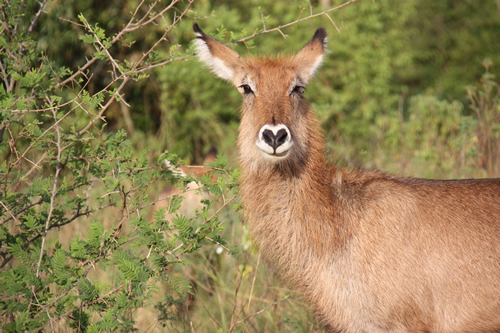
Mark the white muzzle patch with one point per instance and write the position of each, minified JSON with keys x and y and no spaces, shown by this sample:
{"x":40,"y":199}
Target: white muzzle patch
{"x":274,"y":142}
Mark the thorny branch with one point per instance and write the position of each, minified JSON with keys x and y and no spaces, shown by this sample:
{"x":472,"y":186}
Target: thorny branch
{"x":37,"y":16}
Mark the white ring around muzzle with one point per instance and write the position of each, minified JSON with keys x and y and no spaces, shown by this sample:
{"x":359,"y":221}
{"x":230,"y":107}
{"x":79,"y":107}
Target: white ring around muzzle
{"x":282,"y":150}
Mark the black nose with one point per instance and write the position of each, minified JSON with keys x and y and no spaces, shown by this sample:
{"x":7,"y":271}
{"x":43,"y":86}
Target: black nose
{"x":275,"y":140}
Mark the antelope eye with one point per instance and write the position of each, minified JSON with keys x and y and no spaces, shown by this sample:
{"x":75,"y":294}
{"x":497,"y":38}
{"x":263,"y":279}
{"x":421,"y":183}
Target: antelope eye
{"x":299,"y":90}
{"x":245,"y":89}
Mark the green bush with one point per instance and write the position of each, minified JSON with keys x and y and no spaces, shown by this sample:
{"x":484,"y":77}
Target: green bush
{"x":62,"y":168}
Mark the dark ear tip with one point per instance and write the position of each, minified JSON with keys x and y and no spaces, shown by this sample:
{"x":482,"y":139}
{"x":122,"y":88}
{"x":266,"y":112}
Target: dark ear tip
{"x":197,"y":28}
{"x":320,"y":34}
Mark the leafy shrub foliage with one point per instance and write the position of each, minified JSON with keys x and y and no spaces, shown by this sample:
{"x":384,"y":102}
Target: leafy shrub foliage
{"x":61,"y":167}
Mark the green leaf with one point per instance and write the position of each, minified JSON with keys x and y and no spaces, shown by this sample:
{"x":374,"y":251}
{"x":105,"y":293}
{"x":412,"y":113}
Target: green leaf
{"x":182,"y":224}
{"x":181,"y":286}
{"x":93,"y":328}
{"x":132,"y":269}
{"x":88,"y":291}
{"x":95,"y":233}
{"x":77,"y":249}
{"x":17,"y":251}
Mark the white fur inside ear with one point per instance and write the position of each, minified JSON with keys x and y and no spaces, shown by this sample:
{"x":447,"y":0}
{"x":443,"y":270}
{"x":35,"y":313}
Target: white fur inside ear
{"x":216,"y":65}
{"x":221,"y":69}
{"x":315,"y":65}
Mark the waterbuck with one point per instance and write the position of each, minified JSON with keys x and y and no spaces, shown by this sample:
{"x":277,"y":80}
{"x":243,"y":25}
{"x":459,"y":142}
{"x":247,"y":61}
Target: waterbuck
{"x":370,"y":252}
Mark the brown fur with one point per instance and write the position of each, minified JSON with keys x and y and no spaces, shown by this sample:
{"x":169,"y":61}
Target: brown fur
{"x":369,"y":251}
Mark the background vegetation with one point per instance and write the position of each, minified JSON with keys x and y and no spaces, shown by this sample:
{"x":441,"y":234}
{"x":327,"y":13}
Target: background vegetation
{"x":94,"y":96}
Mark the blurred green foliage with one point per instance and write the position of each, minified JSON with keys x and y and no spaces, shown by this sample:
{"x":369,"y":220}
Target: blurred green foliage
{"x":384,"y":53}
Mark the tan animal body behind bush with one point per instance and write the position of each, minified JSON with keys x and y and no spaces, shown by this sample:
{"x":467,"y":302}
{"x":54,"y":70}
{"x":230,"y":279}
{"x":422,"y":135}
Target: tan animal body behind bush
{"x":370,"y":252}
{"x":193,"y":193}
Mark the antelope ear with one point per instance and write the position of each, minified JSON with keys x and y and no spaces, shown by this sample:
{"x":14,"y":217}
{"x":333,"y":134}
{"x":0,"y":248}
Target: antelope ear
{"x":311,"y":56}
{"x":222,"y":60}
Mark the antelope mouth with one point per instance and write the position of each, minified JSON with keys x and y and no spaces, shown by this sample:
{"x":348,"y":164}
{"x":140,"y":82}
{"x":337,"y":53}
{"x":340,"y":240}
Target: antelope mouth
{"x":274,"y":157}
{"x":281,"y":154}
{"x":275,"y":154}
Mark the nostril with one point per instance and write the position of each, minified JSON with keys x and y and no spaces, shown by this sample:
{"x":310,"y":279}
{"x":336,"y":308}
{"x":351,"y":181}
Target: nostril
{"x":269,"y":137}
{"x":281,"y":137}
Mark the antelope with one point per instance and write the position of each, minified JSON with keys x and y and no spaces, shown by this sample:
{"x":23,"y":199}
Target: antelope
{"x":370,"y":252}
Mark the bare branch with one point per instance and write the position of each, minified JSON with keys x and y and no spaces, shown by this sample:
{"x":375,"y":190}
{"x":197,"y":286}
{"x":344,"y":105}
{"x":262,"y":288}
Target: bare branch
{"x":4,"y":74}
{"x":282,"y":34}
{"x":343,"y":23}
{"x":134,"y":26}
{"x":37,"y":16}
{"x":332,"y":22}
{"x":54,"y":191}
{"x":11,"y":214}
{"x":294,"y":22}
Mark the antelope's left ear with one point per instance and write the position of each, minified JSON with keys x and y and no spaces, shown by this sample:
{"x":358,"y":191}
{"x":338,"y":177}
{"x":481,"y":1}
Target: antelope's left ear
{"x":311,"y":56}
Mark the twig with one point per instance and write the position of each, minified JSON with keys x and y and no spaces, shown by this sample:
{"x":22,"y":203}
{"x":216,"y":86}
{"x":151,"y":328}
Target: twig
{"x":253,"y":282}
{"x":11,"y":214}
{"x":134,"y":26}
{"x":332,"y":22}
{"x":260,"y":311}
{"x":103,"y":109}
{"x":343,"y":23}
{"x":216,"y":242}
{"x":19,"y":212}
{"x":282,"y":34}
{"x":4,"y":75}
{"x":37,"y":16}
{"x":53,"y":196}
{"x":103,"y":48}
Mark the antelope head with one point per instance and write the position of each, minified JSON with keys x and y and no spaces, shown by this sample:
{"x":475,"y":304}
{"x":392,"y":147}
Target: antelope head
{"x":276,"y":121}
